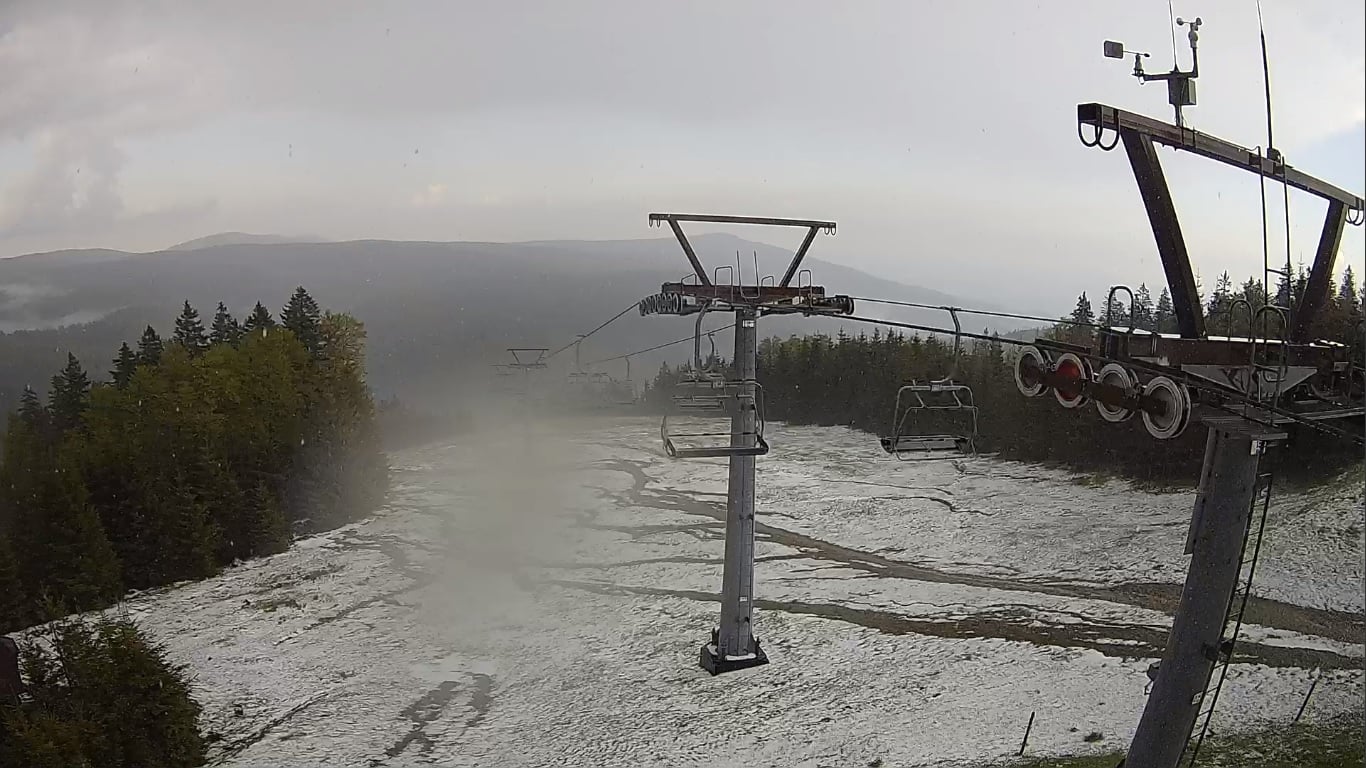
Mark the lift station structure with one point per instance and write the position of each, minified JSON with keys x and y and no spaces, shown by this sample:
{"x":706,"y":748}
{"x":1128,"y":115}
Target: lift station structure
{"x":736,"y":396}
{"x":1246,"y":390}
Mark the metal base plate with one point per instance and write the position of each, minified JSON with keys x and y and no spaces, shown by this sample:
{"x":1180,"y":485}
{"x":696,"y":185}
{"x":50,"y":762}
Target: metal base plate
{"x":710,"y":661}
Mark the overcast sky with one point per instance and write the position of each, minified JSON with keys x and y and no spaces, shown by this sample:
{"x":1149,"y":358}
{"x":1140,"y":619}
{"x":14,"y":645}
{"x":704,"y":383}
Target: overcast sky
{"x":940,"y":135}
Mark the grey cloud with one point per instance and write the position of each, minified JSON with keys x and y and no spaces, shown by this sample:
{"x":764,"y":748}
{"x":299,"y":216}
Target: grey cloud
{"x":962,"y":110}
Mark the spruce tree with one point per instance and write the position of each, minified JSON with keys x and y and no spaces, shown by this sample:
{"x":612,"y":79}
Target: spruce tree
{"x":303,"y":317}
{"x":60,"y":545}
{"x":1143,"y":308}
{"x":124,"y":365}
{"x":13,"y":612}
{"x":1164,"y":314}
{"x":31,"y":408}
{"x":189,"y":331}
{"x":150,"y":347}
{"x":225,"y":329}
{"x":1083,"y":312}
{"x":100,"y":693}
{"x":1348,"y":298}
{"x":259,"y":320}
{"x":69,"y":395}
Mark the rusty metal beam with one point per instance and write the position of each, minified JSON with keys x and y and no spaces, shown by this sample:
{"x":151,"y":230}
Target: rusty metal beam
{"x":1320,"y":282}
{"x":1171,"y":245}
{"x":801,"y":253}
{"x":828,"y":226}
{"x":1107,"y":117}
{"x":688,"y":251}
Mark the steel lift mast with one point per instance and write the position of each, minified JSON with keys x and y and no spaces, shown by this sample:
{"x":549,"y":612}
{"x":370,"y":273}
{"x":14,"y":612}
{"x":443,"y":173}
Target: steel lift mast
{"x":1246,"y":387}
{"x":733,"y":645}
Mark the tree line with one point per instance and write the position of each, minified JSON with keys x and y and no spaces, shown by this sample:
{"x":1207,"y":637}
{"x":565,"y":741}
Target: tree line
{"x":853,"y":380}
{"x":214,"y":445}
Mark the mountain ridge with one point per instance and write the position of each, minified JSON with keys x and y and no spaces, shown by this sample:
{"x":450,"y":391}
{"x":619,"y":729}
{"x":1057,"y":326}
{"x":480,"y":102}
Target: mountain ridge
{"x":437,"y":313}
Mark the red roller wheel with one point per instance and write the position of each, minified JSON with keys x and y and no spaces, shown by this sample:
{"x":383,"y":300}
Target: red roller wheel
{"x":1073,"y":373}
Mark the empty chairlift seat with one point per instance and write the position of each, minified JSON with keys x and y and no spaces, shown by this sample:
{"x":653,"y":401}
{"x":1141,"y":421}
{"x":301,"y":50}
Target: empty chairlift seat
{"x":698,"y":422}
{"x":931,"y":421}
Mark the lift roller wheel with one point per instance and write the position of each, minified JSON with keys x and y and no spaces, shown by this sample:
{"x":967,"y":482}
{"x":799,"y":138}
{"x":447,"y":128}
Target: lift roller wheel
{"x":1174,"y":409}
{"x":1030,"y":369}
{"x":1116,"y":375}
{"x":1076,"y":373}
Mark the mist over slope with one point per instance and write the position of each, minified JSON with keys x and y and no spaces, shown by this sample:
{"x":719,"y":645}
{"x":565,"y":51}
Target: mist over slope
{"x":437,"y":313}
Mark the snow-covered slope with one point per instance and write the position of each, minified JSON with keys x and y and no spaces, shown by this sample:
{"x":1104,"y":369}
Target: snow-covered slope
{"x":529,"y":601}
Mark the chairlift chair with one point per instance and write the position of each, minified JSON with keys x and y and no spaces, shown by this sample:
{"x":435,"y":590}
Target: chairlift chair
{"x":704,"y":395}
{"x":705,"y":439}
{"x":916,"y":400}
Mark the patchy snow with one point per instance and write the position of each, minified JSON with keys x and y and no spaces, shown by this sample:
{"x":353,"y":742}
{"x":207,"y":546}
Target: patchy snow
{"x":536,"y":602}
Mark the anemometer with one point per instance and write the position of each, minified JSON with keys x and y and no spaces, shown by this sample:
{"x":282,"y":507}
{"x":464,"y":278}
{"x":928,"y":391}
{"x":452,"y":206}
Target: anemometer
{"x":1180,"y":85}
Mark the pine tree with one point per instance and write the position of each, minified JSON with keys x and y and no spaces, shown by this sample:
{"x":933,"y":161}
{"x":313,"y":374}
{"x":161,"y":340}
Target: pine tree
{"x":1143,"y":309}
{"x":1347,"y":292}
{"x":61,"y":546}
{"x":189,"y":331}
{"x":31,"y":408}
{"x":225,"y":329}
{"x":69,"y":395}
{"x":150,"y":347}
{"x":267,"y":527}
{"x":258,"y":320}
{"x":124,"y":366}
{"x":1217,"y":309}
{"x":13,"y":612}
{"x":1083,"y":314}
{"x":101,"y":693}
{"x":303,"y":317}
{"x":1164,"y":314}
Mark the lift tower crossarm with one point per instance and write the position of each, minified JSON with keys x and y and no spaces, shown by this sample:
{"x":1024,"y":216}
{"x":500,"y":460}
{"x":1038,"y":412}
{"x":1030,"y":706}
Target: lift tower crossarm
{"x":1140,"y":133}
{"x":813,"y":227}
{"x":1103,"y":116}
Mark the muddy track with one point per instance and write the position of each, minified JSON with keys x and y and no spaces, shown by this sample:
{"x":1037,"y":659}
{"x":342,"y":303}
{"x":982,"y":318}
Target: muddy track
{"x":1115,"y":640}
{"x":1342,"y":626}
{"x":430,"y":707}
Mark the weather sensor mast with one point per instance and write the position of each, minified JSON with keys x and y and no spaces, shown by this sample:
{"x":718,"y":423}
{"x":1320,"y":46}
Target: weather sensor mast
{"x":1180,"y":85}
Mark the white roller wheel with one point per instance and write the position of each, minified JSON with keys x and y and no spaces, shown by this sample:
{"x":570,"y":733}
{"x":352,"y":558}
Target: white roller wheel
{"x":1077,"y":372}
{"x":1116,"y":375}
{"x":1176,"y":410}
{"x":1029,"y":369}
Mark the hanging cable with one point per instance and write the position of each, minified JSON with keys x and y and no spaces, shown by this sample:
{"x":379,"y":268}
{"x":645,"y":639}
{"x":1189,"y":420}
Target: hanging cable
{"x":988,"y":313}
{"x":689,"y":337}
{"x":609,"y":321}
{"x":1277,"y":160}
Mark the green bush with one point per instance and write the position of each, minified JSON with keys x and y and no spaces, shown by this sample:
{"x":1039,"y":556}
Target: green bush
{"x":99,"y":693}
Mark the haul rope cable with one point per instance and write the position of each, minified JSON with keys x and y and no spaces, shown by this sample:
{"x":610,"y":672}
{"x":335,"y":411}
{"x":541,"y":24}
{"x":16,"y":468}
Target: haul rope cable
{"x":609,"y":321}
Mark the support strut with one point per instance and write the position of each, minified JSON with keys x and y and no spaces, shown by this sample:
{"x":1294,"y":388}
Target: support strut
{"x":1171,"y":245}
{"x":1320,"y":275}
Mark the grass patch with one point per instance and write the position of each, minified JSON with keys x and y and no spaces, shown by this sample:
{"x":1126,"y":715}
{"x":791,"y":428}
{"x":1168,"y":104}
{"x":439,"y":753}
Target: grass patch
{"x":1336,"y":744}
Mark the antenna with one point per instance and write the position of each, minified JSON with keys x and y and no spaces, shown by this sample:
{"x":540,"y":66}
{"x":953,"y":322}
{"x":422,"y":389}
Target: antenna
{"x":1180,"y":85}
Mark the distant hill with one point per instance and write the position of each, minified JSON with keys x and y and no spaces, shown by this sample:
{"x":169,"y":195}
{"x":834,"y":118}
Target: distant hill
{"x":437,"y":313}
{"x":240,"y":238}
